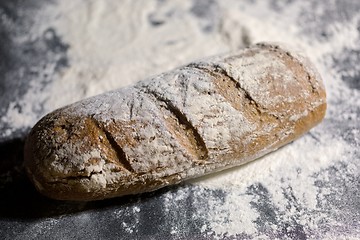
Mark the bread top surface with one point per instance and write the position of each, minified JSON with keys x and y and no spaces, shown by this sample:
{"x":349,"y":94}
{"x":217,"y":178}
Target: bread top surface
{"x":199,"y":118}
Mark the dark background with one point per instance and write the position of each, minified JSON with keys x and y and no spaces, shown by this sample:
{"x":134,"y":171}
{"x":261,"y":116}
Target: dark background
{"x":24,"y":214}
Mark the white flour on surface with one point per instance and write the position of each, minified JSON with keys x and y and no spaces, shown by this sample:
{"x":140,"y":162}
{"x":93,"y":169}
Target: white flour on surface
{"x":113,"y":45}
{"x":276,"y":172}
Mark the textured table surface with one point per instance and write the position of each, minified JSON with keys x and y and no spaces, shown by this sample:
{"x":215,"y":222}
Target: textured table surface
{"x":190,"y":210}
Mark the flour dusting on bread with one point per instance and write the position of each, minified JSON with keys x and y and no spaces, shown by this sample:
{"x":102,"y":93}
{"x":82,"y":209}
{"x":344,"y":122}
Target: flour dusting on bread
{"x":200,"y":118}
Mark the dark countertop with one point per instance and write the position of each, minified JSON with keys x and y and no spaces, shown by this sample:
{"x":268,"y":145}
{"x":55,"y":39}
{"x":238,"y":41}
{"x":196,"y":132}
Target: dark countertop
{"x":25,"y":214}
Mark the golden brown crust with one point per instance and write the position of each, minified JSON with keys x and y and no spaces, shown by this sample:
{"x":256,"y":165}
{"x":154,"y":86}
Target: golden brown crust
{"x":198,"y":119}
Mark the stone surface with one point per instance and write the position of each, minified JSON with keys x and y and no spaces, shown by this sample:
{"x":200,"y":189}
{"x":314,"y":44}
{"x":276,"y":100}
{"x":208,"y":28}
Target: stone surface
{"x":182,"y":212}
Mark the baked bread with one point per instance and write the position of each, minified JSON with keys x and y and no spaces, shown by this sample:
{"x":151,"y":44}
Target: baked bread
{"x":198,"y":119}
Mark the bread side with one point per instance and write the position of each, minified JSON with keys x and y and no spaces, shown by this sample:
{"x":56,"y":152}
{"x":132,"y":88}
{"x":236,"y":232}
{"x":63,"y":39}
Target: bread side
{"x":200,"y":118}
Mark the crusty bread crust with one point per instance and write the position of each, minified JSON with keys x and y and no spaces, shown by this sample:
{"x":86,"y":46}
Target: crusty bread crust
{"x":200,"y":118}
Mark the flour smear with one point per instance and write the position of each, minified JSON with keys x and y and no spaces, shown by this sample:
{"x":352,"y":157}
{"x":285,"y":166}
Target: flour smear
{"x":117,"y":43}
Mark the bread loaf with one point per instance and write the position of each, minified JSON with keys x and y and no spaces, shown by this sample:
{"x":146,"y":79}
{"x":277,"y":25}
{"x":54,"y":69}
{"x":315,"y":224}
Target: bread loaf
{"x":198,"y":119}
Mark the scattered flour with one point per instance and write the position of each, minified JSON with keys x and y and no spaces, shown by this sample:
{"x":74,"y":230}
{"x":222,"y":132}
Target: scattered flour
{"x":292,"y":166}
{"x":113,"y":45}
